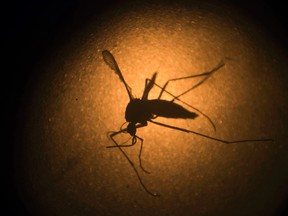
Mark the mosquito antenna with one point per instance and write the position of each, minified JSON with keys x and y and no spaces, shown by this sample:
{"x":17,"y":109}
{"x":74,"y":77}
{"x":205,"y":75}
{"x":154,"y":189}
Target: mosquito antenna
{"x":209,"y":137}
{"x":111,"y":62}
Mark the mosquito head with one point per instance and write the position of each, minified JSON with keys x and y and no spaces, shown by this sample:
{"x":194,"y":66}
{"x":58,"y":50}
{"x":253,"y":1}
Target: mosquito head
{"x":131,"y":129}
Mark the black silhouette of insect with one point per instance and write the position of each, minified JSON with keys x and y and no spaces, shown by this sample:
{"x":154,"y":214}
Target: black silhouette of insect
{"x":140,"y":111}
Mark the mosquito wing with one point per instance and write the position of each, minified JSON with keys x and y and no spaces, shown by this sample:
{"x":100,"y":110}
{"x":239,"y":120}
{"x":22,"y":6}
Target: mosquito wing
{"x":111,"y":62}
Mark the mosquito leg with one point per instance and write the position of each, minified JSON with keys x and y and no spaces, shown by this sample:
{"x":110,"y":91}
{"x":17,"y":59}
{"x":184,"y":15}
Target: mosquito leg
{"x":206,"y":75}
{"x":121,"y":145}
{"x":132,"y":164}
{"x":109,"y":133}
{"x":209,"y":137}
{"x":130,"y":145}
{"x":124,"y":131}
{"x":192,"y":107}
{"x":139,"y":156}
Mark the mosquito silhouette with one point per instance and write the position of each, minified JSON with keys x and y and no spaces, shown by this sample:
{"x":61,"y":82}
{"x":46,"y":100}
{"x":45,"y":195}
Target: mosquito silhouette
{"x":141,"y":111}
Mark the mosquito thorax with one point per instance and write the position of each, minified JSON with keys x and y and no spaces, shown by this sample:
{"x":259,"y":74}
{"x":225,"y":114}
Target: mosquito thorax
{"x":137,"y":111}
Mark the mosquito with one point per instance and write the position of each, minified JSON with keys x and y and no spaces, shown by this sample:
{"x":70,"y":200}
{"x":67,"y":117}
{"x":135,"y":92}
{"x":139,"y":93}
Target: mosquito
{"x":141,"y":111}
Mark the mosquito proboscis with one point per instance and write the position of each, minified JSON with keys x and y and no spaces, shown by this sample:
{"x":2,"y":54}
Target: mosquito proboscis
{"x":140,"y":111}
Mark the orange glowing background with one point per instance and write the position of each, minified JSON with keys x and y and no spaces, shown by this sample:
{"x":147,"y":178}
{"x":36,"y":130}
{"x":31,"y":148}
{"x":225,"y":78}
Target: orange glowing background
{"x":66,"y":165}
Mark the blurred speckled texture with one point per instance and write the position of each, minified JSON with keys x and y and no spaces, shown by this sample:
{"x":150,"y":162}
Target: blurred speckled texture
{"x":66,"y":169}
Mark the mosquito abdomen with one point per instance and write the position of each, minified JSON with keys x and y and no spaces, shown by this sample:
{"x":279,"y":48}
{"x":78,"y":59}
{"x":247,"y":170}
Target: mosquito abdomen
{"x":168,"y":109}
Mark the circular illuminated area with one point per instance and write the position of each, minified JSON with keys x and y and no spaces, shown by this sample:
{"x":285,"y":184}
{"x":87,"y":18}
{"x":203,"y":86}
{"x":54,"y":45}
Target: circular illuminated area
{"x":65,"y":167}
